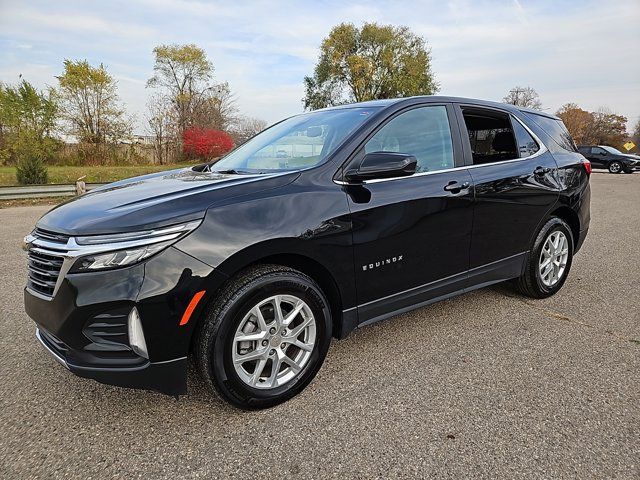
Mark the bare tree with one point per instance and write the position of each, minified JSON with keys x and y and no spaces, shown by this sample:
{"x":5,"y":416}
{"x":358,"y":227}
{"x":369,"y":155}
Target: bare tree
{"x":218,"y":110}
{"x":523,"y":97}
{"x":245,"y":128}
{"x":161,"y":124}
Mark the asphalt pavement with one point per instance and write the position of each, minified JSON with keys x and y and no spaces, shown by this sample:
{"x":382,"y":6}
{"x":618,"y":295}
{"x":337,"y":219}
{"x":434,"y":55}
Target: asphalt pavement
{"x":486,"y":385}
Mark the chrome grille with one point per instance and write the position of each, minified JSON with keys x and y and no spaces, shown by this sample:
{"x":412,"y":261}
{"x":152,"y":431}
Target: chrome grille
{"x":44,"y":270}
{"x":45,"y":263}
{"x":51,"y":236}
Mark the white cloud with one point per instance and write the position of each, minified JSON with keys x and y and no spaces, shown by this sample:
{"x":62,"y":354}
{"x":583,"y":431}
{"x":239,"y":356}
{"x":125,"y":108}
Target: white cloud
{"x":582,"y":53}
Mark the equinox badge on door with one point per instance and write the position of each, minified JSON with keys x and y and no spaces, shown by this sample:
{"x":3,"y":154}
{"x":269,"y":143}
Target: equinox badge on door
{"x":386,"y":261}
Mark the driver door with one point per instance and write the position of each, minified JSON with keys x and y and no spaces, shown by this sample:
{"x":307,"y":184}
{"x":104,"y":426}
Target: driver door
{"x":411,"y":235}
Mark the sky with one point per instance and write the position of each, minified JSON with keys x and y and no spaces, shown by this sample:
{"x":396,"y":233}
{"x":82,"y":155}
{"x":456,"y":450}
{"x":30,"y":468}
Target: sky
{"x":586,"y":52}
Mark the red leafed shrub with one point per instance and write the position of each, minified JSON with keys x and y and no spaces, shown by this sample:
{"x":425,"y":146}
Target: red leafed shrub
{"x":205,"y":142}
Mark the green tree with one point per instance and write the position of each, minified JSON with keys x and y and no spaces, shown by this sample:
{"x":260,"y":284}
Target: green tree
{"x":31,"y":169}
{"x":373,"y":62}
{"x":184,"y":76}
{"x":90,"y":103}
{"x":28,"y":118}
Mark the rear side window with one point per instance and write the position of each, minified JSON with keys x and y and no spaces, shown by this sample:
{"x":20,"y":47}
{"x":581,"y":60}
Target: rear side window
{"x":555,"y":129}
{"x":490,"y":135}
{"x":527,"y":146}
{"x":422,"y":132}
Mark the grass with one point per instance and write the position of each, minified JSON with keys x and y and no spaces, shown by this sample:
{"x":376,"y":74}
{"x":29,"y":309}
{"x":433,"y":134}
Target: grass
{"x":98,"y":174}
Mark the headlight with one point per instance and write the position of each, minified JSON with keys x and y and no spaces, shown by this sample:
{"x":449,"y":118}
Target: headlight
{"x":120,"y":258}
{"x":99,"y":252}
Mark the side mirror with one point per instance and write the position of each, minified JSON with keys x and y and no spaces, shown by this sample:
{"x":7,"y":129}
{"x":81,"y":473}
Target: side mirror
{"x":382,"y":165}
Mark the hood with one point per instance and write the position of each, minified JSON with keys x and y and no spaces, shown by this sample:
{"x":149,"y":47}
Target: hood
{"x":631,"y":156}
{"x":154,"y":200}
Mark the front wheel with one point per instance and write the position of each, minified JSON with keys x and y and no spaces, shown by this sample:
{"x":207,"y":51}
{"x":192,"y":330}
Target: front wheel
{"x":549,"y":260}
{"x":615,"y":167}
{"x":264,"y":337}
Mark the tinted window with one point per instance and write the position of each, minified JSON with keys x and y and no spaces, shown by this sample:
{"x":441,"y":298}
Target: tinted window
{"x":490,"y":136}
{"x":422,"y":132}
{"x":597,"y":150}
{"x":298,"y":142}
{"x":615,"y":151}
{"x":527,"y":146}
{"x":555,"y":129}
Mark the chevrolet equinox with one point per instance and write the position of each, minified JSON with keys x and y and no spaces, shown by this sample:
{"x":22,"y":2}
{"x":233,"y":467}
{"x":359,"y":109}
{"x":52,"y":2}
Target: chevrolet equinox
{"x":249,"y":265}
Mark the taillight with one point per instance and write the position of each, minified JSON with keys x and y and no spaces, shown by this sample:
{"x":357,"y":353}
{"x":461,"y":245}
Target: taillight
{"x":587,"y":166}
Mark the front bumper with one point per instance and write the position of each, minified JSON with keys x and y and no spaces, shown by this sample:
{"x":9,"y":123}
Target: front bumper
{"x":166,"y":377}
{"x":84,"y":325}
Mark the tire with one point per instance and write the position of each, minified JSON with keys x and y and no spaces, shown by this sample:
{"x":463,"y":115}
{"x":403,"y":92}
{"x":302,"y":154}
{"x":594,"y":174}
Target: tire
{"x":532,"y":283}
{"x":615,"y":167}
{"x":232,"y":314}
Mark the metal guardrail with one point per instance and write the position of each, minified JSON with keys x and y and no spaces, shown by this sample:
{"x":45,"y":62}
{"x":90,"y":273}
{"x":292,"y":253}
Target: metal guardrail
{"x":41,"y":191}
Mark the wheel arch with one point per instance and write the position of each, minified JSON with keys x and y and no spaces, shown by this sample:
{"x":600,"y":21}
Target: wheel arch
{"x":316,"y":271}
{"x":571,"y":218}
{"x":262,"y":255}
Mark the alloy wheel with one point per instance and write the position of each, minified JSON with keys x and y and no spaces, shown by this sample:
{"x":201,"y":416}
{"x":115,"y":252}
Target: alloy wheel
{"x":553,"y":258}
{"x":274,"y":341}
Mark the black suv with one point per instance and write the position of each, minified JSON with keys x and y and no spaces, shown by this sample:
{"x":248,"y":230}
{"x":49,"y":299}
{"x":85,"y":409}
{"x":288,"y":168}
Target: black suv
{"x":603,"y":156}
{"x":251,"y":265}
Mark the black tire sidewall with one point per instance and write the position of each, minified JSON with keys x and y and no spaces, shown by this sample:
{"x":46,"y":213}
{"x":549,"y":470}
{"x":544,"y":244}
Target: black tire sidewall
{"x":553,"y":225}
{"x":226,"y":380}
{"x":619,"y":169}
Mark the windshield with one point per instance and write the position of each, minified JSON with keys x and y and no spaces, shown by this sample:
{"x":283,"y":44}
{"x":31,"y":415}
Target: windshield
{"x":612,"y":150}
{"x":299,"y":142}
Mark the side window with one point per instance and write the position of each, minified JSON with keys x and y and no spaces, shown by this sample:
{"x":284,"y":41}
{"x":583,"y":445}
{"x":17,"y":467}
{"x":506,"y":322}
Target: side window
{"x":597,"y":150}
{"x":527,"y":146}
{"x":555,"y":129}
{"x":422,"y":132}
{"x":584,"y":150}
{"x":490,"y":135}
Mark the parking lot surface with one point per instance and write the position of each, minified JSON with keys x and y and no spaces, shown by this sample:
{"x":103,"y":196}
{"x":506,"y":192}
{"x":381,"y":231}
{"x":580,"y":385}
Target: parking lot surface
{"x":485,"y":385}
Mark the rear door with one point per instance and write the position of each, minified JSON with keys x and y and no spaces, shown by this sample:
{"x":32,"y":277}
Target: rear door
{"x":515,"y":185}
{"x":412,"y":235}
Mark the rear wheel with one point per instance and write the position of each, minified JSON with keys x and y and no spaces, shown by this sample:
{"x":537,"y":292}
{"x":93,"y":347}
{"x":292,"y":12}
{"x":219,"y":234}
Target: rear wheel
{"x":549,"y":260}
{"x":264,"y":337}
{"x":615,"y":167}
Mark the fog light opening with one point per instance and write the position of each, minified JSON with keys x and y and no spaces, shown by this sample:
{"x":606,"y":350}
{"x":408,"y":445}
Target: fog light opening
{"x":136,"y":335}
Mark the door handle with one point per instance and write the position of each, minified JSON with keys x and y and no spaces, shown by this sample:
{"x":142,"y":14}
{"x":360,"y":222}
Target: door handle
{"x":455,"y":187}
{"x":539,"y":171}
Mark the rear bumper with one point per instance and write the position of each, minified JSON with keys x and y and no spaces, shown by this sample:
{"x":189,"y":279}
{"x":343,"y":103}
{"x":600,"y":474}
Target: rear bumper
{"x":581,"y":239}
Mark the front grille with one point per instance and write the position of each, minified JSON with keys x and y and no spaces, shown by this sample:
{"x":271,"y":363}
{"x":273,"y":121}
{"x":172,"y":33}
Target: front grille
{"x":51,"y":236}
{"x":45,"y":262}
{"x":44,"y":270}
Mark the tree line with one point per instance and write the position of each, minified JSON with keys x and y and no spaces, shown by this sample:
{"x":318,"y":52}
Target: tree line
{"x":190,"y":115}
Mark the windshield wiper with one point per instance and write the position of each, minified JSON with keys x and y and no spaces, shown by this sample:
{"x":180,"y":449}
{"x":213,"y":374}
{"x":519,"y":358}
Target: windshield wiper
{"x":230,"y":171}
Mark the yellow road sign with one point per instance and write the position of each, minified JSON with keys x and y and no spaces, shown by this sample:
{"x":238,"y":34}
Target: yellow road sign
{"x":629,"y":145}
